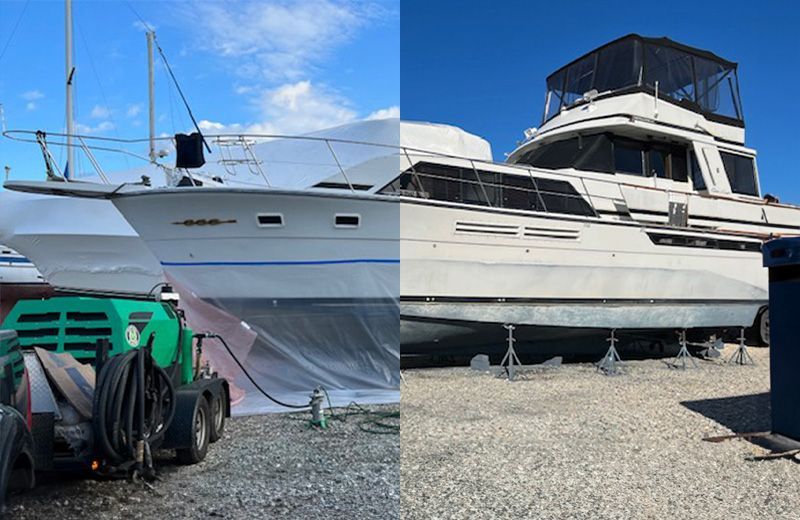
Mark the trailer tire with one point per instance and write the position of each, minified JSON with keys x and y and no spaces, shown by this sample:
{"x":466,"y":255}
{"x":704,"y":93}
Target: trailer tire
{"x":200,"y":434}
{"x":16,"y":453}
{"x":218,"y":413}
{"x":758,"y":333}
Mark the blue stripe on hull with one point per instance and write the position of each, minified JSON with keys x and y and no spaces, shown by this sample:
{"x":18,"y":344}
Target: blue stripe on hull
{"x":287,"y":262}
{"x":15,"y":260}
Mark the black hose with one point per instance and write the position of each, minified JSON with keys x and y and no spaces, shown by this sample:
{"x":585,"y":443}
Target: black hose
{"x":263,"y":392}
{"x":117,"y":414}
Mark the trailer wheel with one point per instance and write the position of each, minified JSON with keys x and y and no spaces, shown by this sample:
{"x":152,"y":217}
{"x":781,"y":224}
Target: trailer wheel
{"x":200,"y":434}
{"x":218,"y":415}
{"x":763,"y":328}
{"x":16,"y":454}
{"x":758,"y":333}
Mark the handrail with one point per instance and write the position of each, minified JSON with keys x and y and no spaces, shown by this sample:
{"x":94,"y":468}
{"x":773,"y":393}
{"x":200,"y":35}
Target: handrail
{"x":404,"y":150}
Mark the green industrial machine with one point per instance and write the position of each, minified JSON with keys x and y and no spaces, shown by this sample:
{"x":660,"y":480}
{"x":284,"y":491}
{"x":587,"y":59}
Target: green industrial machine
{"x":102,"y":383}
{"x":74,"y":324}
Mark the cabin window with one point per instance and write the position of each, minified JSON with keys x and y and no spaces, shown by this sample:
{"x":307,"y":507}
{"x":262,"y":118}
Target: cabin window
{"x":270,"y":220}
{"x":591,"y":153}
{"x":667,"y":162}
{"x":677,"y":164}
{"x":347,"y":220}
{"x":524,"y":192}
{"x":698,"y":181}
{"x":657,"y":159}
{"x":741,"y":173}
{"x":555,"y":155}
{"x":628,"y":157}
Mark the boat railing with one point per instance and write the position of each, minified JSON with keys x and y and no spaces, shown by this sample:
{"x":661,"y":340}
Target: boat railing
{"x":261,"y":156}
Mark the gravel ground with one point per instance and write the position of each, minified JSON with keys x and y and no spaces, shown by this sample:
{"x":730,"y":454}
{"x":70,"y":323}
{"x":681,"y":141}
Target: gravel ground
{"x":570,"y":443}
{"x":269,"y":466}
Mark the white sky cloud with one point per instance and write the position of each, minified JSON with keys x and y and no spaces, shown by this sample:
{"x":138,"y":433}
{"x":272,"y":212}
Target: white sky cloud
{"x":30,"y":105}
{"x":277,"y":40}
{"x":385,"y":113}
{"x":103,"y":126}
{"x":292,"y":108}
{"x":100,"y":112}
{"x":133,"y":110}
{"x":147,"y":26}
{"x":275,"y":49}
{"x":32,"y":95}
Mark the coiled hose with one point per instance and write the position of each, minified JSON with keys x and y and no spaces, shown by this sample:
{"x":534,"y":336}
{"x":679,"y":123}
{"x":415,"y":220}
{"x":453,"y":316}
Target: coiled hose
{"x":132,"y":402}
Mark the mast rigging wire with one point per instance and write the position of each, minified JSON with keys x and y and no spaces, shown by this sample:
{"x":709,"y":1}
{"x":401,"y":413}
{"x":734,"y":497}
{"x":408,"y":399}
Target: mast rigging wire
{"x":14,"y":30}
{"x":174,"y":79}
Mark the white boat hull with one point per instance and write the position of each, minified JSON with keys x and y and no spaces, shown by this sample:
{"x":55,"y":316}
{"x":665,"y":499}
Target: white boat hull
{"x":322,"y":299}
{"x":463,"y":266}
{"x":79,"y":245}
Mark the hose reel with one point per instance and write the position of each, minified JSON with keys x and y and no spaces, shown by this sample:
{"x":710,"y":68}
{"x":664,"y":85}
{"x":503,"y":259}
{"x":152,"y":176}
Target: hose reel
{"x":134,"y":404}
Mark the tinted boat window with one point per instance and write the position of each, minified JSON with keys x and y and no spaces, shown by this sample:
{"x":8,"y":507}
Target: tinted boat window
{"x":741,"y":173}
{"x":579,"y":79}
{"x":454,"y":184}
{"x":593,"y":153}
{"x":519,"y":192}
{"x":559,"y":154}
{"x":657,"y":163}
{"x":596,"y":154}
{"x":672,"y":69}
{"x":697,"y":175}
{"x":628,"y":157}
{"x":618,"y":66}
{"x":677,"y":164}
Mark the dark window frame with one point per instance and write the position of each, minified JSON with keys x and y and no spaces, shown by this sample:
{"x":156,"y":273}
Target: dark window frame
{"x":559,"y":197}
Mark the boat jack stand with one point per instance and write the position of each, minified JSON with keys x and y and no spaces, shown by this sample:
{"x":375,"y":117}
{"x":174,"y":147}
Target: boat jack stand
{"x":741,"y":356}
{"x":683,"y":354}
{"x":510,"y":361}
{"x":608,"y":365}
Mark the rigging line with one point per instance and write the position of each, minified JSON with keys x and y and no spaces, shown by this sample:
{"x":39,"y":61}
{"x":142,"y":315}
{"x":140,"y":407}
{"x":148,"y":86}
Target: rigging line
{"x":185,"y":103}
{"x":102,"y":90}
{"x":171,"y":108}
{"x":14,"y":30}
{"x":136,"y":13}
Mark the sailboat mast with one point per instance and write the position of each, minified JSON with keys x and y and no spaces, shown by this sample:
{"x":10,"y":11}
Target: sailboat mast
{"x":151,"y":81}
{"x":70,"y":71}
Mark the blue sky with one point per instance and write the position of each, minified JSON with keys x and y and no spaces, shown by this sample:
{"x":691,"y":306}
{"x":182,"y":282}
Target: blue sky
{"x":263,"y":66}
{"x":482,"y":65}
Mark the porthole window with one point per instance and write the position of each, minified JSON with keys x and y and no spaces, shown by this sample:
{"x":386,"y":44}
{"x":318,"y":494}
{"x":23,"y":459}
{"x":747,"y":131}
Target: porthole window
{"x":270,"y":220}
{"x":347,"y":220}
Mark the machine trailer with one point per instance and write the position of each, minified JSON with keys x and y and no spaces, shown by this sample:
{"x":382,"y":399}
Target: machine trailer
{"x":101,"y":383}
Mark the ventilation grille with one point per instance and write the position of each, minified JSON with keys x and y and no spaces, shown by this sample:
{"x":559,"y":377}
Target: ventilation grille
{"x":508,"y":230}
{"x":548,"y":232}
{"x":484,"y":228}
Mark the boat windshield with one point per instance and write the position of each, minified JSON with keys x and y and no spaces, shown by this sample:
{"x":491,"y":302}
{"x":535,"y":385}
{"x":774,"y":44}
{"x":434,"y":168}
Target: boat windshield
{"x":692,"y":78}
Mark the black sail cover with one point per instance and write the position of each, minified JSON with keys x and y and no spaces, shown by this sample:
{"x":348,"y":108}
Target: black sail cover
{"x":189,"y":150}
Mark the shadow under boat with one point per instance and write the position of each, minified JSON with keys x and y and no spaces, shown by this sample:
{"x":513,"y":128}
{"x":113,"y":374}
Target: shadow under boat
{"x":537,"y":344}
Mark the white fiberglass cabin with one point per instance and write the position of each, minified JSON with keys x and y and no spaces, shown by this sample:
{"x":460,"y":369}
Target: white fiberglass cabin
{"x":636,"y":206}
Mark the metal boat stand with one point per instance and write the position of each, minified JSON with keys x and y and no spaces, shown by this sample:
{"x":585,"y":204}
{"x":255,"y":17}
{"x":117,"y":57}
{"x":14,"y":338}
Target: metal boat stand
{"x":741,"y":356}
{"x":609,"y":364}
{"x":510,"y":361}
{"x":683,"y":354}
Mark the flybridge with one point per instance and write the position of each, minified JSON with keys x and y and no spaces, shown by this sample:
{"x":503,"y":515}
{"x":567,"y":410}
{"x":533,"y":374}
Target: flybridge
{"x":691,"y":78}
